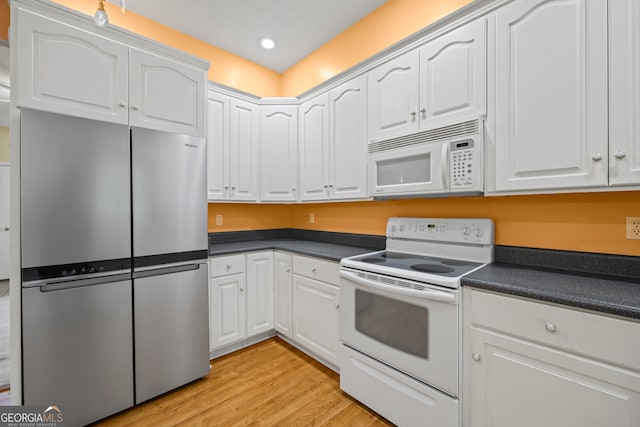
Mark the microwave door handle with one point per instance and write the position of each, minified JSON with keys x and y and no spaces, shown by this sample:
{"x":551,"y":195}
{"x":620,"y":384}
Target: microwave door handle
{"x":444,"y":165}
{"x":430,"y":295}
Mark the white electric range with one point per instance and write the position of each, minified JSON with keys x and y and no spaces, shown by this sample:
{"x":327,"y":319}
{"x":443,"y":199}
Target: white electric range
{"x":400,"y":318}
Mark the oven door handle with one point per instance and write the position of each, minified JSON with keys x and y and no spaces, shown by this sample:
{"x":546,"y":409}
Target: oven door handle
{"x":430,"y":295}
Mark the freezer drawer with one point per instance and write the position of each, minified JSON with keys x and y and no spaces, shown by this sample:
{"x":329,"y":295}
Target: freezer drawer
{"x":78,"y":349}
{"x":169,"y":193}
{"x":171,"y":333}
{"x":75,"y":190}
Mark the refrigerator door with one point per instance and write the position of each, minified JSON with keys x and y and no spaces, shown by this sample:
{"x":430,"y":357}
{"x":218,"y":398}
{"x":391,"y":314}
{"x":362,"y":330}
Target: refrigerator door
{"x":171,"y":328}
{"x":169,"y":197}
{"x":75,"y":190}
{"x":78,"y":347}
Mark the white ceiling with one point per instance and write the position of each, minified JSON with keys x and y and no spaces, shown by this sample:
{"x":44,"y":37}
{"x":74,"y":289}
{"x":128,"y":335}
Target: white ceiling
{"x":298,"y":26}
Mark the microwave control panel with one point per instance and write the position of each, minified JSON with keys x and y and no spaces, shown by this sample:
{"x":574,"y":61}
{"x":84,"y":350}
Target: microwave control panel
{"x":463,"y":163}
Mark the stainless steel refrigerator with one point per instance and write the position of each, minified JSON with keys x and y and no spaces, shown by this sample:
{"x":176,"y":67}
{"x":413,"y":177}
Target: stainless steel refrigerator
{"x":114,"y":247}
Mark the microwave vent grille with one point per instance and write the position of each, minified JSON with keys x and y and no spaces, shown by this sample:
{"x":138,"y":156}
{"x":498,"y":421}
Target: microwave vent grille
{"x":445,"y":132}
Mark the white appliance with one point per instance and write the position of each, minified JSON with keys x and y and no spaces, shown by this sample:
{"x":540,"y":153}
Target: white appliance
{"x":400,"y":318}
{"x":436,"y":162}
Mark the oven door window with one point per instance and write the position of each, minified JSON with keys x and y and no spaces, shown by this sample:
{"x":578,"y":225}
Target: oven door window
{"x":398,"y":324}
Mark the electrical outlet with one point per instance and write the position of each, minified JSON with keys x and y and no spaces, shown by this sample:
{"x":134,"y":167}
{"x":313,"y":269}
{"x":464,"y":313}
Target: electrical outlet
{"x":312,"y":218}
{"x":219,"y":219}
{"x":633,"y":227}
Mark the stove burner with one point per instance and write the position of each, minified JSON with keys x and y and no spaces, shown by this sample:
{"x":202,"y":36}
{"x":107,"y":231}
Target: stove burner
{"x":395,"y":255}
{"x":431,"y":268}
{"x":373,"y":260}
{"x":454,"y":263}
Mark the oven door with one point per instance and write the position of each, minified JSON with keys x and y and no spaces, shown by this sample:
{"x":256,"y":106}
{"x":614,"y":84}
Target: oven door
{"x":416,"y":169}
{"x":412,"y":330}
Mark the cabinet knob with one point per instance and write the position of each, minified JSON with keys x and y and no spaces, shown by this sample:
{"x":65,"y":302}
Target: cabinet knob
{"x":313,"y":270}
{"x":233,"y":187}
{"x":6,"y":229}
{"x":476,"y":357}
{"x":228,"y":266}
{"x":330,"y":185}
{"x":337,"y":307}
{"x":288,"y":270}
{"x":122,"y":104}
{"x":413,"y":114}
{"x":226,"y":187}
{"x":596,"y":157}
{"x":423,"y":110}
{"x":620,"y":154}
{"x":135,"y":107}
{"x":293,"y":188}
{"x":241,"y":289}
{"x":551,"y":327}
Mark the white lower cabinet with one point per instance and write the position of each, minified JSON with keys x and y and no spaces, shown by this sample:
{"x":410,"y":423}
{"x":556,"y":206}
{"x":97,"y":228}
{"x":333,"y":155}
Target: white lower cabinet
{"x":240,"y":297}
{"x":283,"y":291}
{"x":530,"y":364}
{"x":316,"y":307}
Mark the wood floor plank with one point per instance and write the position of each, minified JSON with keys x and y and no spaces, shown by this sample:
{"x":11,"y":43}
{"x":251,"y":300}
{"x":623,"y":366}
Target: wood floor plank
{"x":268,"y":384}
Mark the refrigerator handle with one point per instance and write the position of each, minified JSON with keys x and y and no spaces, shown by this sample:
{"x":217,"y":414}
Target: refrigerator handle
{"x":167,"y":270}
{"x":59,"y":285}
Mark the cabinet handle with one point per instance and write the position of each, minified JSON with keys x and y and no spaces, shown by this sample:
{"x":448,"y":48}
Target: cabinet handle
{"x":413,"y":114}
{"x":233,"y":187}
{"x":337,"y":307}
{"x":596,"y":157}
{"x":330,"y":185}
{"x":313,"y":270}
{"x":620,"y":154}
{"x":423,"y":110}
{"x":122,"y":104}
{"x":551,"y":327}
{"x":288,"y":270}
{"x":476,"y":357}
{"x":135,"y":107}
{"x":241,"y":289}
{"x":228,"y":266}
{"x":6,"y":229}
{"x":226,"y":187}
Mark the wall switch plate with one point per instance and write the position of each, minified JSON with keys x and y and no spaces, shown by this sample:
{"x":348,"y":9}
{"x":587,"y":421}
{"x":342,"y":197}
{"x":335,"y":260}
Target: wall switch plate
{"x":312,"y":218}
{"x":219,"y":219}
{"x":633,"y":227}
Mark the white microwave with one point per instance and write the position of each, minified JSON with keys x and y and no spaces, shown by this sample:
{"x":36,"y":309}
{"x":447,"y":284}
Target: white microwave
{"x":437,"y":162}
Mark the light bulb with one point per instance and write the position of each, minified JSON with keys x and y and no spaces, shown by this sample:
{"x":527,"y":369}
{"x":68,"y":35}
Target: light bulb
{"x":101,"y":18}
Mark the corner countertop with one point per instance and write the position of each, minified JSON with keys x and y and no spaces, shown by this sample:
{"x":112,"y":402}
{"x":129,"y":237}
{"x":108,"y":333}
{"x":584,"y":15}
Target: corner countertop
{"x":328,"y":251}
{"x":603,"y":283}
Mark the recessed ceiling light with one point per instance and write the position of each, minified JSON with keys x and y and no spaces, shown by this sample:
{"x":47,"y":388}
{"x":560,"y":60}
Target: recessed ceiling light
{"x":267,"y":43}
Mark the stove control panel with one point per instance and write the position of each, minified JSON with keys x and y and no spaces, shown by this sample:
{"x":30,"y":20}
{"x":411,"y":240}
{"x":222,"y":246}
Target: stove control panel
{"x":478,"y":231}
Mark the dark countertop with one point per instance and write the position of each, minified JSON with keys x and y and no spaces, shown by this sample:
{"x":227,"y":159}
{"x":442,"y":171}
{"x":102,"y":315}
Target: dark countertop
{"x":573,"y":279}
{"x":328,"y":251}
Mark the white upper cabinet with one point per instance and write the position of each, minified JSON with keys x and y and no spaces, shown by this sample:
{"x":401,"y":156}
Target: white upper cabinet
{"x":314,"y":148}
{"x":453,"y":77}
{"x":278,"y":153}
{"x":233,"y":137}
{"x":551,"y":95}
{"x":64,"y":67}
{"x":66,"y":70}
{"x":348,"y":140}
{"x":333,"y":143}
{"x":393,"y":97}
{"x":440,"y":83}
{"x":166,"y":95}
{"x":624,"y":92}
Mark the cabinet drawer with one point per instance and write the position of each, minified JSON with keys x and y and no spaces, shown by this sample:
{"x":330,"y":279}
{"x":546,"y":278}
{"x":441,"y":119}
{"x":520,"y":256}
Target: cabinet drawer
{"x":325,"y":271}
{"x":225,"y":265}
{"x":597,"y":336}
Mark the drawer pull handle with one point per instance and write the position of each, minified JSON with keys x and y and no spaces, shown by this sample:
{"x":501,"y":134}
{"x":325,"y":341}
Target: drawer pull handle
{"x":228,"y":266}
{"x":551,"y":327}
{"x":313,"y":270}
{"x":288,"y":270}
{"x":476,"y":357}
{"x":337,"y":306}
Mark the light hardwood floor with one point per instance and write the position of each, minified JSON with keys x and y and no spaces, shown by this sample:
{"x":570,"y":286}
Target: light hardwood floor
{"x":268,"y":384}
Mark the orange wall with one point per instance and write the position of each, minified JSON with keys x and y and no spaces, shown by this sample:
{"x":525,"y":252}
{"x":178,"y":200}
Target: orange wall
{"x":390,"y":23}
{"x":4,"y":20}
{"x":589,"y":222}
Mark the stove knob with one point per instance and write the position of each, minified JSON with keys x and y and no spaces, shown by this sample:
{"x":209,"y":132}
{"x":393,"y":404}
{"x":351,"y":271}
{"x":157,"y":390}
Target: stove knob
{"x":478,"y":232}
{"x":402,"y":228}
{"x":466,"y":231}
{"x":393,"y":228}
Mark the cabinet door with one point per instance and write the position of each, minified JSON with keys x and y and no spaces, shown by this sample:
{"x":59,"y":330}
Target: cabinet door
{"x":278,"y":152}
{"x":316,"y":317}
{"x":283,"y":293}
{"x":348,"y":140}
{"x":551,"y":94}
{"x":66,"y":70}
{"x":314,"y":146}
{"x":217,"y":146}
{"x":624,"y":95}
{"x":514,"y":382}
{"x":227,"y":310}
{"x":243,"y":151}
{"x":393,"y":97}
{"x":166,"y":95}
{"x":259,"y":292}
{"x":453,"y":79}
